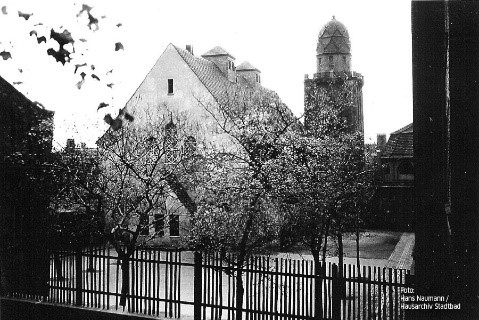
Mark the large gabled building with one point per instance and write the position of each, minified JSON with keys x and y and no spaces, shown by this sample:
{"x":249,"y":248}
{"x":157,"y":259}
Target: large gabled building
{"x":183,"y":87}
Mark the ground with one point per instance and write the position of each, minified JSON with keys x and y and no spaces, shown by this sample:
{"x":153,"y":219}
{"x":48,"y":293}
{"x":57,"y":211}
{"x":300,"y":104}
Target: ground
{"x":373,"y":244}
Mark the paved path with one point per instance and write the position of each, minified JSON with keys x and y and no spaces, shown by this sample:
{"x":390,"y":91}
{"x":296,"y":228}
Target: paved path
{"x":401,"y":258}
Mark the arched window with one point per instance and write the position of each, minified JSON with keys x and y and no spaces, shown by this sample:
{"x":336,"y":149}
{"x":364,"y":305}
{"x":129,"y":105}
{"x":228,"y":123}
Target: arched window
{"x":405,"y":170}
{"x":406,"y":167}
{"x":171,"y":141}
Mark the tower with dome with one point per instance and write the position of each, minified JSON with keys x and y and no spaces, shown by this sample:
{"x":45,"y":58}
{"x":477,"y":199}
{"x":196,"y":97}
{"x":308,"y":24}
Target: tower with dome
{"x":334,"y":79}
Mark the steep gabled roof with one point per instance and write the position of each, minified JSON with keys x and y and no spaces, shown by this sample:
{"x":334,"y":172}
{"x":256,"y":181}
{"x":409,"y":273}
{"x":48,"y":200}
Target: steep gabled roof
{"x":208,"y":73}
{"x":400,"y":144}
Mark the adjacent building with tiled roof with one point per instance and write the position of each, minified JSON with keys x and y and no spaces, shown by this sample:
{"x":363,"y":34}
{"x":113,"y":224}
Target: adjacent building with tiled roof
{"x":395,"y":200}
{"x":400,"y":144}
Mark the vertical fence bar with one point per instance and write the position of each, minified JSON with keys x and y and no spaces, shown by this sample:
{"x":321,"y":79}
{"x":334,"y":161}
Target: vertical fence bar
{"x":365,"y":292}
{"x":391,"y":286}
{"x":78,"y":278}
{"x":336,"y":303}
{"x":197,"y":280}
{"x":379,"y":294}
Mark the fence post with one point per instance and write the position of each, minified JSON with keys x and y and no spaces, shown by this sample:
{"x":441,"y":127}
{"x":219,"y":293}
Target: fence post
{"x":337,"y":293}
{"x":78,"y":277}
{"x":197,"y":285}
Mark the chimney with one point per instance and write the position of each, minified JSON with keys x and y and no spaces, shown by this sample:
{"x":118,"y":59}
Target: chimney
{"x":70,"y":145}
{"x":381,"y":141}
{"x":189,"y":48}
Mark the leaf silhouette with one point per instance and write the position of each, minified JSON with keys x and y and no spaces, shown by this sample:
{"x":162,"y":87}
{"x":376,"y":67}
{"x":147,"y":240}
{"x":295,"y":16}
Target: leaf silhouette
{"x":26,"y":16}
{"x":119,"y":24}
{"x":17,"y":82}
{"x":115,"y":124}
{"x":93,"y":22}
{"x":62,"y":38}
{"x":129,"y":117}
{"x":20,"y":70}
{"x":61,"y":55}
{"x":102,"y":105}
{"x":38,"y":24}
{"x":118,"y":46}
{"x":86,"y":8}
{"x":5,"y":55}
{"x":33,"y":32}
{"x":92,"y":67}
{"x":94,"y":76}
{"x":110,"y":71}
{"x":82,"y":40}
{"x":4,"y":10}
{"x":42,"y":39}
{"x":79,"y":66}
{"x":110,"y":85}
{"x":80,"y":83}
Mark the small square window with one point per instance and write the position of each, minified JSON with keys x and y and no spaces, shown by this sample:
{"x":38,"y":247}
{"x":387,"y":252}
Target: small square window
{"x":170,"y":86}
{"x":174,"y":226}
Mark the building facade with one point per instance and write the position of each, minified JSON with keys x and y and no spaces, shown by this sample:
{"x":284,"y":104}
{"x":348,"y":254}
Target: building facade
{"x":394,"y":206}
{"x":26,"y":131}
{"x":334,"y":78}
{"x":184,"y":91}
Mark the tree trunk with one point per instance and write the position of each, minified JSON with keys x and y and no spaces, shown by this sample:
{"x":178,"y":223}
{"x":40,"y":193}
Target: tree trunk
{"x":125,"y":279}
{"x":91,"y":260}
{"x":358,"y":262}
{"x":340,"y":254}
{"x":239,"y":294}
{"x":325,"y":246}
{"x":318,"y":296}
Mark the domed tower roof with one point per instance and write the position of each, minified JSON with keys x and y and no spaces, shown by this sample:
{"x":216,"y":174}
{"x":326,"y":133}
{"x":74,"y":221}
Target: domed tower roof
{"x":333,"y":38}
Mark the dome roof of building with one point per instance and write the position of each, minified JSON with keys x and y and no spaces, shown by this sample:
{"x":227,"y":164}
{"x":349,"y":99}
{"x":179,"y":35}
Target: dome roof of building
{"x":333,"y":38}
{"x":217,"y":51}
{"x":246,"y":66}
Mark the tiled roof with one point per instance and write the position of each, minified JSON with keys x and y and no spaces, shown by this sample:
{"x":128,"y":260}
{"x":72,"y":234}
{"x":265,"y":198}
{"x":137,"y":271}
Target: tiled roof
{"x":217,"y":51}
{"x":333,"y":38}
{"x":212,"y":77}
{"x":246,"y":66}
{"x":208,"y":73}
{"x":400,"y":144}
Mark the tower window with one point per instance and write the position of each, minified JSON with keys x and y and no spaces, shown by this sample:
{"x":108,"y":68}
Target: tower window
{"x":319,"y":61}
{"x":330,"y":59}
{"x":170,"y":86}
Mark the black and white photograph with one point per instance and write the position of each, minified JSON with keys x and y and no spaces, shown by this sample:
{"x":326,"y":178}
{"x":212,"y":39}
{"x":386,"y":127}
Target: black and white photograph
{"x":239,"y":160}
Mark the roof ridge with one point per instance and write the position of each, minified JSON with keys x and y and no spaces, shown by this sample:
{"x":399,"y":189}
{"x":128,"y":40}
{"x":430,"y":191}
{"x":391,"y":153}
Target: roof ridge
{"x":403,"y":128}
{"x":203,"y":60}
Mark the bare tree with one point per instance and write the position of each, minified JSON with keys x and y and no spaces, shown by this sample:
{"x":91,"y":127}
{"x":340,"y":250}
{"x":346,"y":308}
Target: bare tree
{"x":236,"y":213}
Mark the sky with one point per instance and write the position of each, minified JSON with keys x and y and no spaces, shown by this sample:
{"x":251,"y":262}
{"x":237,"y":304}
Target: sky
{"x":277,"y":37}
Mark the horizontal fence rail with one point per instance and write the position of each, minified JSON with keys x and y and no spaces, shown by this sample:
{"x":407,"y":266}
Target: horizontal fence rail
{"x":172,"y":283}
